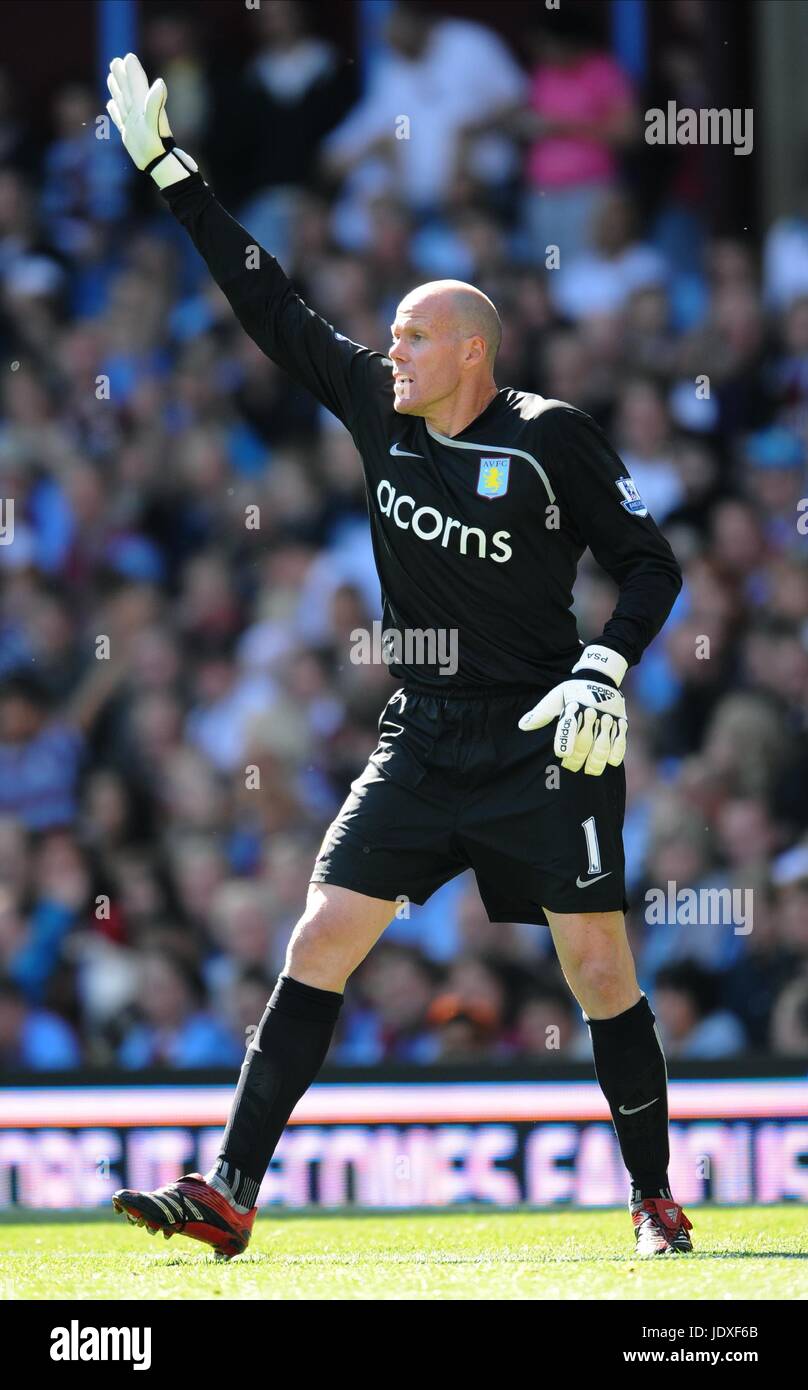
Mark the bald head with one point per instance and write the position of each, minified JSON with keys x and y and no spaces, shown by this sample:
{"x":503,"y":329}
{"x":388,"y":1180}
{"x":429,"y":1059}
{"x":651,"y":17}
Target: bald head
{"x":445,"y":341}
{"x":459,"y":310}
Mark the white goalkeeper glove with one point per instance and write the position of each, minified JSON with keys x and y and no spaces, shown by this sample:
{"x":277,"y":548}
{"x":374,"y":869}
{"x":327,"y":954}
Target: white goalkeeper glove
{"x":138,"y":110}
{"x":592,"y":724}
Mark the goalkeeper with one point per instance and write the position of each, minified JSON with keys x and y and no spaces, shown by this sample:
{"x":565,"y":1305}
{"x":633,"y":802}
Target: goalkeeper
{"x":481,"y":502}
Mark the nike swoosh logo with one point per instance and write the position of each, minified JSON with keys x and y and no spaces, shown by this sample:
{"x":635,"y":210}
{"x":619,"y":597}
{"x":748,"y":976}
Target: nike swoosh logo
{"x":585,"y":882}
{"x":637,"y":1108}
{"x":403,"y":453}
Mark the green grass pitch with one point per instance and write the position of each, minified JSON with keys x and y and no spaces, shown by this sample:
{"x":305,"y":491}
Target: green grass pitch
{"x":749,"y":1252}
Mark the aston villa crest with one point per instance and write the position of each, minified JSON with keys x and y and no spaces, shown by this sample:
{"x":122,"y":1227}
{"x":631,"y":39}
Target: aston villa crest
{"x":493,"y":477}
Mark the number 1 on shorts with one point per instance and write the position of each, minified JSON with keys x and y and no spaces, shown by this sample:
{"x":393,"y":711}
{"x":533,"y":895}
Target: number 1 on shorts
{"x":592,"y":846}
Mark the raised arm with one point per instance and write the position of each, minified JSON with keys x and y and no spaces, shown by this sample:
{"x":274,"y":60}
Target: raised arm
{"x":338,"y":372}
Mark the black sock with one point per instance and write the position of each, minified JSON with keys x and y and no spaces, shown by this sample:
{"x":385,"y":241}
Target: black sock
{"x":283,"y":1059}
{"x":630,"y":1067}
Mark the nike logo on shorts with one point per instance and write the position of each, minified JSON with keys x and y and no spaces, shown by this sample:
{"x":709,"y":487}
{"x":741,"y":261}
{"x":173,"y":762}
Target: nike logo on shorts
{"x":637,"y":1108}
{"x":585,"y":882}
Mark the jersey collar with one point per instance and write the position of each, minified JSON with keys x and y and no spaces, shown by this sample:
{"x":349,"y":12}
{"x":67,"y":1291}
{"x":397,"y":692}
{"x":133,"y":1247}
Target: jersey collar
{"x":478,"y":422}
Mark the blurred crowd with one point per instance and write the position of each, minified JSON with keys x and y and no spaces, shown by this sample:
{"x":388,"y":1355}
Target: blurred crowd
{"x":153,"y":646}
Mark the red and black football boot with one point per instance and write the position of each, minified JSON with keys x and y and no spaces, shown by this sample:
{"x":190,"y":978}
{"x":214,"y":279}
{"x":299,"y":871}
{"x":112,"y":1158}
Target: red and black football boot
{"x":189,"y":1207}
{"x":660,"y":1227}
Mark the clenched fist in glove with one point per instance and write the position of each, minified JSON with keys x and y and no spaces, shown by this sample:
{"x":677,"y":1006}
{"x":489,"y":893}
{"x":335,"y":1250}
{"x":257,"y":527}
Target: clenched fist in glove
{"x":592,"y":724}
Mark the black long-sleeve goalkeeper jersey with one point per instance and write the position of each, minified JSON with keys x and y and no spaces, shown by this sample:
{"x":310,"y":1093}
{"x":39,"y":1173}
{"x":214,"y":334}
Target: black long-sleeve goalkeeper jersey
{"x":480,"y":533}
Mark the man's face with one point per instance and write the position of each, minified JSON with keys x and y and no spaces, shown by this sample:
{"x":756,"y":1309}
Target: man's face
{"x":427,"y":354}
{"x":19,"y":718}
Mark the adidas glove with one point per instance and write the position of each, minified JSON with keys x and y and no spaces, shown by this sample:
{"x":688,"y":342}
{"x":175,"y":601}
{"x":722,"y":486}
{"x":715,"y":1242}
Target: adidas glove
{"x":138,"y":110}
{"x":591,"y":713}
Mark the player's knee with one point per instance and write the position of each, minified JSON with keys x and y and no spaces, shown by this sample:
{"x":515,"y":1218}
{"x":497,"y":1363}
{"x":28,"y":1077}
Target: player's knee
{"x":603,"y":982}
{"x":320,"y":944}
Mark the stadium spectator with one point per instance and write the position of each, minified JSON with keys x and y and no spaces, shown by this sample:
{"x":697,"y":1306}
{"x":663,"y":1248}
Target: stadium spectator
{"x":598,"y":282}
{"x":388,"y":1015}
{"x":777,"y":958}
{"x":175,"y":1028}
{"x":465,"y":1031}
{"x":33,"y":1039}
{"x":28,"y":260}
{"x":295,"y":86}
{"x":241,"y":935}
{"x":643,"y":429}
{"x":39,"y":758}
{"x":549,"y":1026}
{"x":685,"y":1002}
{"x":447,"y":78}
{"x":246,"y":1000}
{"x":172,"y":39}
{"x":83,"y":184}
{"x":776,"y":464}
{"x":580,"y":116}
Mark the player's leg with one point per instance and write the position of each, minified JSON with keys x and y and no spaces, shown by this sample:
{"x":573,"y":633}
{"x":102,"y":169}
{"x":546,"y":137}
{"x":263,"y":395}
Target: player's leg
{"x":332,"y":937}
{"x":546,"y":845}
{"x":391,"y":839}
{"x":596,"y":959}
{"x":595,"y":956}
{"x":334,"y":934}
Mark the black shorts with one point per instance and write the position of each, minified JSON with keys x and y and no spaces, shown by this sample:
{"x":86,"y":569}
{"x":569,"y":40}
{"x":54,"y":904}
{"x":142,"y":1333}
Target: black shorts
{"x":455,"y":784}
